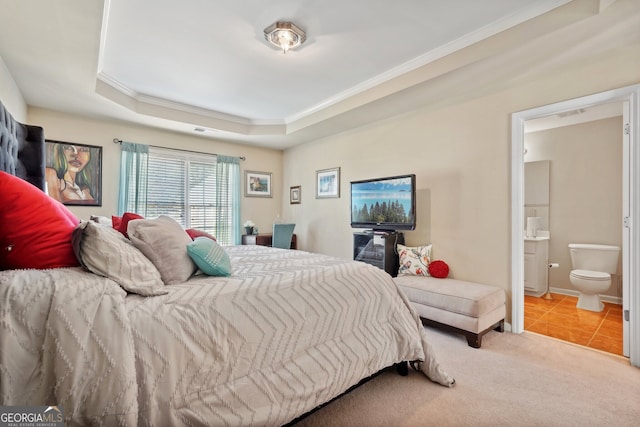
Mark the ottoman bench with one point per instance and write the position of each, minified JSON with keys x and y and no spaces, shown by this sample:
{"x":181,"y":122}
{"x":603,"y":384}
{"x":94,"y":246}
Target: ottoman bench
{"x":468,"y":308}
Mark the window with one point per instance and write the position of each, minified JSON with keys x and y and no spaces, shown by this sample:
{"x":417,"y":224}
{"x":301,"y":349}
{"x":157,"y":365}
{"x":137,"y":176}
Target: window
{"x":188,"y":187}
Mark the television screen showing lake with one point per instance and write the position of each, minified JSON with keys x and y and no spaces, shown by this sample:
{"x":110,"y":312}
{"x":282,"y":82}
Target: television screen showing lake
{"x":382,"y":201}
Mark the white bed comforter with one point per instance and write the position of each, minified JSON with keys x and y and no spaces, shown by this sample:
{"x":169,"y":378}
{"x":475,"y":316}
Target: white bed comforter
{"x":288,"y":330}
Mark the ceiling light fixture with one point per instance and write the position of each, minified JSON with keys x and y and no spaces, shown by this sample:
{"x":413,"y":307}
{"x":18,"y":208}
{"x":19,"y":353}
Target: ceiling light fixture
{"x":285,"y":35}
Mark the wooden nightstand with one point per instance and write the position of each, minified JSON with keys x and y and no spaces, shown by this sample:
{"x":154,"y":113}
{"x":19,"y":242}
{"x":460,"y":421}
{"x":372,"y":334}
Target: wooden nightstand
{"x":264,"y":240}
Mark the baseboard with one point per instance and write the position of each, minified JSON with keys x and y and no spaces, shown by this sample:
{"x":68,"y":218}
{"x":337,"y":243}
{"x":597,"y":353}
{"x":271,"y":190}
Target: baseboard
{"x":534,"y":294}
{"x":573,"y":293}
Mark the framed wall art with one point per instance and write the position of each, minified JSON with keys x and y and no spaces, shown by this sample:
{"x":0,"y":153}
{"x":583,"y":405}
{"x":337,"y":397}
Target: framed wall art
{"x":257,"y":184}
{"x":328,"y":183}
{"x":295,"y":195}
{"x":74,"y":173}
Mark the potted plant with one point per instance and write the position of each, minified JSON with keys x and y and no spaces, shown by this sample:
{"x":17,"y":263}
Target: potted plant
{"x":248,"y":227}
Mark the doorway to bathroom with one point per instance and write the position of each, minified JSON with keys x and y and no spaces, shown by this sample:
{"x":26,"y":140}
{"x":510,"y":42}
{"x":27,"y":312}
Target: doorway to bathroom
{"x":628,"y":210}
{"x":572,"y":167}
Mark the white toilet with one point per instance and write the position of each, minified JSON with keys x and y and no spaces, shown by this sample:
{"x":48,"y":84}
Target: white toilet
{"x":593,"y":266}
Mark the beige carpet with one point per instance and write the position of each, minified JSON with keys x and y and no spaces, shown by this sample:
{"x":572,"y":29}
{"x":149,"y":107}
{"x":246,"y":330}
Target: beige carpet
{"x":513,"y":380}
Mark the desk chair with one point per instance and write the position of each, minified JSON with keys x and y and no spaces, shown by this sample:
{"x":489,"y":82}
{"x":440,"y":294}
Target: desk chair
{"x":282,"y":234}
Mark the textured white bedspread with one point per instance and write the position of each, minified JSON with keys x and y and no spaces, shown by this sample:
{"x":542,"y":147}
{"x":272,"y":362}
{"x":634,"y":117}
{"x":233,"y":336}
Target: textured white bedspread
{"x":289,"y":330}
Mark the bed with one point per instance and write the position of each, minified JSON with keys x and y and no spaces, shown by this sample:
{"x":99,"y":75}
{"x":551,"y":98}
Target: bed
{"x":285,"y":332}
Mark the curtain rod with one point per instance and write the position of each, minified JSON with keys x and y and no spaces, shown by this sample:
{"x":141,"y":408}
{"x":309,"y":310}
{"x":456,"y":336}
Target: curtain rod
{"x":119,"y":141}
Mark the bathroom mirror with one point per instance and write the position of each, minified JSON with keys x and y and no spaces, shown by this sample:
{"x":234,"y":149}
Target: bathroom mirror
{"x":536,"y":191}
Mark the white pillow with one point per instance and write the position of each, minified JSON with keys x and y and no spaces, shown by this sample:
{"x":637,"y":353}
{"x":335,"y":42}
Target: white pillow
{"x":414,"y":260}
{"x":106,"y":252}
{"x":164,"y":242}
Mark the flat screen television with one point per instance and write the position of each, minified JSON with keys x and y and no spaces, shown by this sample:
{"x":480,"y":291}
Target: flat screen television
{"x":384,"y":204}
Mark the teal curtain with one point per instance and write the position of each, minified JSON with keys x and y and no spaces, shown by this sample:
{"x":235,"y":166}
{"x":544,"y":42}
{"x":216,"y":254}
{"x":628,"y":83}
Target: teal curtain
{"x":228,"y":189}
{"x":134,"y":163}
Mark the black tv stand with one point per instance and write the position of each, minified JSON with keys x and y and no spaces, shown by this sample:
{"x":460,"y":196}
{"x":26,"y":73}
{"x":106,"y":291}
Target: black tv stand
{"x":377,"y":247}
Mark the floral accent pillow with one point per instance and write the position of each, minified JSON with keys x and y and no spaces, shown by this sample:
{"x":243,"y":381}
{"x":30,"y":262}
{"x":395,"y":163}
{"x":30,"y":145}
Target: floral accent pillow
{"x":414,"y":261}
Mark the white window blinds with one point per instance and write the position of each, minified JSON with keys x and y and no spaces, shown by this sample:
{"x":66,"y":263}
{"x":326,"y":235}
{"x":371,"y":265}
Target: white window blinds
{"x":198,"y":190}
{"x":168,"y":174}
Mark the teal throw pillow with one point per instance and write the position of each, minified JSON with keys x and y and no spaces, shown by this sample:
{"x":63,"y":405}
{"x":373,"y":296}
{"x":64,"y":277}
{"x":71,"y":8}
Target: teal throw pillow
{"x":210,"y":257}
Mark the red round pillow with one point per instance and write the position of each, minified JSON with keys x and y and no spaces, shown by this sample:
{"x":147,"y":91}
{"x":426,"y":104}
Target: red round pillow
{"x":438,"y":269}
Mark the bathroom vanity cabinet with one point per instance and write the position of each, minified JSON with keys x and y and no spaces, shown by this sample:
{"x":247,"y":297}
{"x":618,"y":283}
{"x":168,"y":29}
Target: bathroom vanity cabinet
{"x":536,"y":264}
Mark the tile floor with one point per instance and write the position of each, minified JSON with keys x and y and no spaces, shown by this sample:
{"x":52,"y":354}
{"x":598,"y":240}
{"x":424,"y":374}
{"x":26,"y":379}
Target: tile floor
{"x":560,"y":318}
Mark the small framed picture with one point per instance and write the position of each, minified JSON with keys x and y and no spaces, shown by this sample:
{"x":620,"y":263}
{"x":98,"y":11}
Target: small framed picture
{"x":328,"y":183}
{"x":294,"y":195}
{"x":74,"y":173}
{"x":257,"y":184}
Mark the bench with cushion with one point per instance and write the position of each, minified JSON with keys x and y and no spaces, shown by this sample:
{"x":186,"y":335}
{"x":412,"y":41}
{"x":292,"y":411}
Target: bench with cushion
{"x":469,"y":308}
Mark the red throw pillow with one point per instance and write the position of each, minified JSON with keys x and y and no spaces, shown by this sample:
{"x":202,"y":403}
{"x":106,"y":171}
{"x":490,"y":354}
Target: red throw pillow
{"x":35,"y":229}
{"x":438,"y":269}
{"x":193,"y":233}
{"x":124,"y":222}
{"x":116,"y":221}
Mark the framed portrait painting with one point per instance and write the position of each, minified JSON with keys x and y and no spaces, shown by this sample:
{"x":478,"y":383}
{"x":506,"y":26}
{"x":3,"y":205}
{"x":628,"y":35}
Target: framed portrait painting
{"x":74,"y":173}
{"x":328,"y":183}
{"x":294,"y":195}
{"x":257,"y":184}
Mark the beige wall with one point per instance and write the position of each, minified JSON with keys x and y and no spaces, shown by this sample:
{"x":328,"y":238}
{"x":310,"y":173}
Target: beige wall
{"x":64,"y":127}
{"x":461,"y":156}
{"x":585,"y":189}
{"x":10,"y":94}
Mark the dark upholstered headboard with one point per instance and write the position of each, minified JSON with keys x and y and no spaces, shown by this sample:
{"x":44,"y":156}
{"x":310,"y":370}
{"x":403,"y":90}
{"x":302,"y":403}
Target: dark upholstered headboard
{"x":21,"y":149}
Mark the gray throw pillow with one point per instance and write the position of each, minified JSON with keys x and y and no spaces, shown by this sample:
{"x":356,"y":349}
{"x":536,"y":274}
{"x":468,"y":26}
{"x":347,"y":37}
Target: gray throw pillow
{"x":164,"y":242}
{"x":106,"y":252}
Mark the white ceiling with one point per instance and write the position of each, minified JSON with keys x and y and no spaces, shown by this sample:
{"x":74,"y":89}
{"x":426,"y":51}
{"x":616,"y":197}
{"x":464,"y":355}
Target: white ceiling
{"x":189,"y":64}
